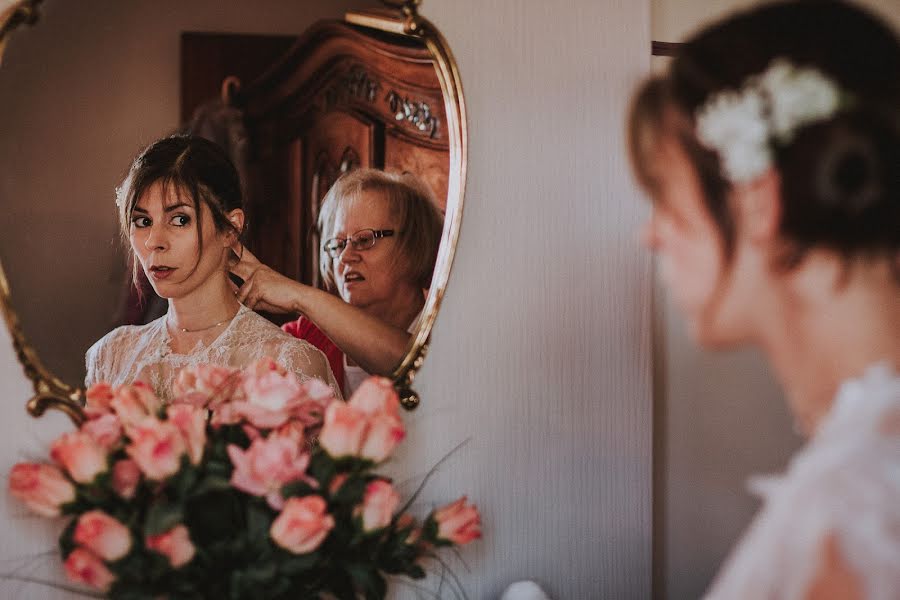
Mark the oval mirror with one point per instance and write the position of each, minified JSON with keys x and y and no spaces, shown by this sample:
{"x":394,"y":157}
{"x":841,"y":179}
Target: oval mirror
{"x":297,"y":92}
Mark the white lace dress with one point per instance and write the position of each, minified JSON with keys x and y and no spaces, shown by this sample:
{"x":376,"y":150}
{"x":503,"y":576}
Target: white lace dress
{"x":843,"y":486}
{"x":143,"y":353}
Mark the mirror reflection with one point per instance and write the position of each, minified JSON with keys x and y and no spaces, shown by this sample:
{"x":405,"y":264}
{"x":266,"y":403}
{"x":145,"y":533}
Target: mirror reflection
{"x":294,"y":104}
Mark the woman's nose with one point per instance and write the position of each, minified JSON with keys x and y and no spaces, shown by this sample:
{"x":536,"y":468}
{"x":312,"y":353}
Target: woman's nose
{"x":156,"y":239}
{"x":349,"y":254}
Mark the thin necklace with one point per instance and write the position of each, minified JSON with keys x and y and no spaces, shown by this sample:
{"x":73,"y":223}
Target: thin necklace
{"x":186,"y":330}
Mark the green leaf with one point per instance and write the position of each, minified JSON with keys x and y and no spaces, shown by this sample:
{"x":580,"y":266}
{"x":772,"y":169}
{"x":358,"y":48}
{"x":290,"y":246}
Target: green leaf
{"x":66,"y":541}
{"x":162,"y":517}
{"x":351,"y":492}
{"x":297,"y":489}
{"x":322,"y":468}
{"x":297,"y":564}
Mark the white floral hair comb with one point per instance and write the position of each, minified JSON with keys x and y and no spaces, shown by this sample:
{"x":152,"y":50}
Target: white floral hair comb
{"x":743,"y":125}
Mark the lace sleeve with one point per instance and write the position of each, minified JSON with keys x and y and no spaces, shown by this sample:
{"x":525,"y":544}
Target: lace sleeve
{"x":94,"y":363}
{"x":850,"y":495}
{"x":305,"y":360}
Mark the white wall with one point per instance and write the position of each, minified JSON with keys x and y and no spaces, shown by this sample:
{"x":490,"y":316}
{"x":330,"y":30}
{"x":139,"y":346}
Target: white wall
{"x":541,"y":354}
{"x":718,"y":418}
{"x":541,"y":351}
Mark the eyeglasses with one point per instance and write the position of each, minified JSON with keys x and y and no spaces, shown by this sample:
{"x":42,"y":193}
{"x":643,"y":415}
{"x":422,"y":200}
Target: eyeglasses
{"x":361,"y":240}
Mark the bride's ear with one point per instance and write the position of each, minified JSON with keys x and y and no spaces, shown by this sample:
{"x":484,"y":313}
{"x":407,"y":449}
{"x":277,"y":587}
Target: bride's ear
{"x":236,"y":217}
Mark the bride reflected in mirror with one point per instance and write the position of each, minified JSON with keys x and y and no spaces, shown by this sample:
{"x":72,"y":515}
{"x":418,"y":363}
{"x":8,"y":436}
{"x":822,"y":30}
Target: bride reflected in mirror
{"x":180,"y":209}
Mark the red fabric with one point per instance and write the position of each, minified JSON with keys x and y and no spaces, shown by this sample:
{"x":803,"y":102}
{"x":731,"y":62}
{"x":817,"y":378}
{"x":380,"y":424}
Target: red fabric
{"x":304,"y":329}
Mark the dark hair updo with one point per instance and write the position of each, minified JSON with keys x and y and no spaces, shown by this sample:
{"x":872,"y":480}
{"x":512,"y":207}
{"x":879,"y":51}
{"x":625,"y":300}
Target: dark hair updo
{"x":840,"y":176}
{"x":195,"y":168}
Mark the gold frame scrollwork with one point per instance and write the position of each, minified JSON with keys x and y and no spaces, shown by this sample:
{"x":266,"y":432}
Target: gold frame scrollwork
{"x":410,"y":22}
{"x":52,"y":393}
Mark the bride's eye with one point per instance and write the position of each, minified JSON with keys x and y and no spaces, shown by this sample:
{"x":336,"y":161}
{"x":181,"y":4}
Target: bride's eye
{"x":180,"y":220}
{"x":141,"y":222}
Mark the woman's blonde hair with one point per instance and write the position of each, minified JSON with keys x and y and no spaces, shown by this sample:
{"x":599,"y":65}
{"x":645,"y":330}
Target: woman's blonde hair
{"x":411,"y":201}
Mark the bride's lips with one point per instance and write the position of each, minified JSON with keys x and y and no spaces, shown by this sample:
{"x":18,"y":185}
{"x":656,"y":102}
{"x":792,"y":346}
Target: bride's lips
{"x":160,"y":272}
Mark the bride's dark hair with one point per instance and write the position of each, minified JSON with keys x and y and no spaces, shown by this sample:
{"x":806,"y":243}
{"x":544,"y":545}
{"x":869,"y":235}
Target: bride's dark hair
{"x":194,"y":167}
{"x":840,"y":181}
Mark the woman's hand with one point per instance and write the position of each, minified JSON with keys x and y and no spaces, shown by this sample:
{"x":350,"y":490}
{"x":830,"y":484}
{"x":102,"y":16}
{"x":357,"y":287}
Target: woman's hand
{"x":264,"y":289}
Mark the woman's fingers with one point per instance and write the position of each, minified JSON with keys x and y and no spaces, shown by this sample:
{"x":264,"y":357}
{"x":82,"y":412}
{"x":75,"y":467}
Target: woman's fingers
{"x":244,"y":291}
{"x":247,"y":265}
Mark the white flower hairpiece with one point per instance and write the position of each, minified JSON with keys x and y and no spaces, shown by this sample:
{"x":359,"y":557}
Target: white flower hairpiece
{"x":120,"y":195}
{"x":742,"y":125}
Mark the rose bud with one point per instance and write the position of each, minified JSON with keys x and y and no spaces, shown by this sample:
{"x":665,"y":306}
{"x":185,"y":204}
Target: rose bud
{"x":134,"y":403}
{"x":342,"y":433}
{"x":376,"y":396}
{"x":383,"y":435}
{"x":303,"y":524}
{"x":126,"y":475}
{"x":83,"y":567}
{"x":156,"y":447}
{"x":191,"y":422}
{"x":266,"y":466}
{"x":105,"y":430}
{"x":97,"y":400}
{"x":458,"y":522}
{"x":378,"y":506}
{"x":174,"y":544}
{"x":43,"y":488}
{"x":205,"y":385}
{"x":80,"y":456}
{"x":103,"y":535}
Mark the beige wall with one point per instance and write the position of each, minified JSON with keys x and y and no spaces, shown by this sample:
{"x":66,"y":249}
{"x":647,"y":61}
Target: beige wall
{"x":541,"y":354}
{"x":718,"y":418}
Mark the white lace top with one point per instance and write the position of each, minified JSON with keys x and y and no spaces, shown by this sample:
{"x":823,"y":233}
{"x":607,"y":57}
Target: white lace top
{"x":844,"y":485}
{"x":143,"y":352}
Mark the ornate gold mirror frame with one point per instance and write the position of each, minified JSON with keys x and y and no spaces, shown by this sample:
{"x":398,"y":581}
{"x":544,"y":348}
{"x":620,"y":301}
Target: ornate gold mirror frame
{"x":400,"y":18}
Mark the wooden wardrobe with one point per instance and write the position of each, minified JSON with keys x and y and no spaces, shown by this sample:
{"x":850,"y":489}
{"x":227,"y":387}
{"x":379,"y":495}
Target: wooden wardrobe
{"x":340,"y":98}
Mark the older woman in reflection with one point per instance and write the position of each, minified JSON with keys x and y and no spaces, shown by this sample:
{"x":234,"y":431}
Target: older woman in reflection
{"x":381,"y":232}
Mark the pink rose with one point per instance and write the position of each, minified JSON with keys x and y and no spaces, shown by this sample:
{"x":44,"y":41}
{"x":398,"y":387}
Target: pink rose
{"x":350,"y":431}
{"x":303,"y":524}
{"x":134,"y":403}
{"x":292,"y":430}
{"x":80,"y":456}
{"x":376,"y":395}
{"x":270,"y":398}
{"x":191,"y":422}
{"x":126,"y":476}
{"x":174,"y":544}
{"x":157,"y":447}
{"x":205,"y":385}
{"x":103,"y":535}
{"x":83,"y":567}
{"x":383,"y":435}
{"x":266,"y":466}
{"x":343,"y":431}
{"x":458,"y":522}
{"x":97,"y":400}
{"x":105,"y":430}
{"x":378,"y":506}
{"x":43,"y":488}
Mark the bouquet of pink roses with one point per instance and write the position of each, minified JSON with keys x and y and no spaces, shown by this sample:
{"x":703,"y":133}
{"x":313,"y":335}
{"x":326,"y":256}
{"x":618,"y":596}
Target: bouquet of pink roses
{"x":249,"y":485}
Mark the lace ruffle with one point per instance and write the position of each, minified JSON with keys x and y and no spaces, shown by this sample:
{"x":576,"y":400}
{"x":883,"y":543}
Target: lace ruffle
{"x":143,"y":353}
